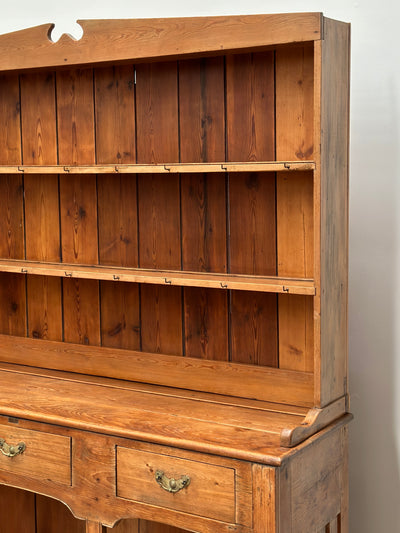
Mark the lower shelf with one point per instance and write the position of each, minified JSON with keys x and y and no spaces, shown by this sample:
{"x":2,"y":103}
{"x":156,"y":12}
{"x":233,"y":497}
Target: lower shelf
{"x":248,"y":430}
{"x":219,"y":377}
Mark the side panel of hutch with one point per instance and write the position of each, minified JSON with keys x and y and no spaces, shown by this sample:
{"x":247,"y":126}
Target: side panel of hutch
{"x":173,"y":276}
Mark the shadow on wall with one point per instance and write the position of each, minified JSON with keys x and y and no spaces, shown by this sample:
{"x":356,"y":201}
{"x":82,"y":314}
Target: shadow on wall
{"x":374,"y":457}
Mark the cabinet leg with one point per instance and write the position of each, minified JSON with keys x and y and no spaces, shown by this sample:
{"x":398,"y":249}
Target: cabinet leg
{"x":94,"y":527}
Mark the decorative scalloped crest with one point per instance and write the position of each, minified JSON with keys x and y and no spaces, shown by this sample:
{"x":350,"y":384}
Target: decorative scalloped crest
{"x":105,"y":41}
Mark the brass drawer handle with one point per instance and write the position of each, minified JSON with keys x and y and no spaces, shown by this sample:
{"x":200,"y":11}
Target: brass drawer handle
{"x":11,"y":451}
{"x":171,"y":484}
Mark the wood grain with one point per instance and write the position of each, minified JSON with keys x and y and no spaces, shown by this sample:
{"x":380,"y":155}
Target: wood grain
{"x":13,"y":305}
{"x":161,"y":317}
{"x":12,"y":217}
{"x":42,"y":218}
{"x":120,"y":320}
{"x":78,"y":205}
{"x":115,"y":114}
{"x":10,"y":118}
{"x":265,"y":502}
{"x":253,"y":328}
{"x":52,"y":515}
{"x":295,"y":225}
{"x":117,"y":220}
{"x":296,"y":332}
{"x":263,"y":383}
{"x":250,"y":104}
{"x":44,"y":308}
{"x":202,"y":110}
{"x":75,"y":114}
{"x":252,"y":222}
{"x":157,"y":113}
{"x":294,"y":137}
{"x":38,"y":119}
{"x":334,"y":213}
{"x":159,"y":222}
{"x":81,"y":311}
{"x":206,"y":324}
{"x":39,"y":141}
{"x":203,"y":206}
{"x":294,"y":102}
{"x":105,"y":41}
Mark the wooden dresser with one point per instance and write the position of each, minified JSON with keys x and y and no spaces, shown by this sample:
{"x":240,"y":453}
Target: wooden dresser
{"x":173,"y":276}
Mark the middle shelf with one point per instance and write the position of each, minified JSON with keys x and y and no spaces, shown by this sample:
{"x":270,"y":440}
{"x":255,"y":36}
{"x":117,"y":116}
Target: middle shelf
{"x":272,"y":284}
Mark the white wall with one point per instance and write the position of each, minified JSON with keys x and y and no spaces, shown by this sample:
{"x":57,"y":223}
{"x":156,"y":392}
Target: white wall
{"x":374,"y":221}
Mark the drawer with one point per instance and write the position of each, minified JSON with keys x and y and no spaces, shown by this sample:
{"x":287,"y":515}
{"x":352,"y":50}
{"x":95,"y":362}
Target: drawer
{"x":208,"y":489}
{"x":45,"y":456}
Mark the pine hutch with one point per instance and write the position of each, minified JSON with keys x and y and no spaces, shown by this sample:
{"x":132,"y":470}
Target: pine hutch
{"x":173,"y":276}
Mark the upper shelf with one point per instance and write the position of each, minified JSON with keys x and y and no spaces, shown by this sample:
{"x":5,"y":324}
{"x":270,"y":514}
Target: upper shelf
{"x":183,"y":168}
{"x":163,"y":277}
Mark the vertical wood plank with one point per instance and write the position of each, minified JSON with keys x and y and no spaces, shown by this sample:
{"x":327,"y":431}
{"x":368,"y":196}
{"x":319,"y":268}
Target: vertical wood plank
{"x":75,"y":110}
{"x":202,"y":110}
{"x":294,"y":134}
{"x":115,"y":114}
{"x":81,"y":311}
{"x":334,"y":211}
{"x":52,"y":515}
{"x":39,"y":141}
{"x":296,"y":332}
{"x":252,"y":224}
{"x":203,"y":208}
{"x":206,"y":324}
{"x":13,"y":304}
{"x":250,"y":127}
{"x":117,"y":214}
{"x":265,"y":503}
{"x":157,"y":112}
{"x":78,"y":219}
{"x":38,"y":119}
{"x":12,"y":287}
{"x":17,"y":510}
{"x":11,"y":217}
{"x":253,"y":328}
{"x":294,"y":103}
{"x":78,"y":203}
{"x":10,"y":109}
{"x":295,"y":259}
{"x":161,"y":313}
{"x":117,"y":204}
{"x":203,"y":203}
{"x":295,"y":227}
{"x":159,"y":222}
{"x":250,"y":101}
{"x":12,"y":238}
{"x":42,"y":218}
{"x":120,"y":318}
{"x":159,"y":203}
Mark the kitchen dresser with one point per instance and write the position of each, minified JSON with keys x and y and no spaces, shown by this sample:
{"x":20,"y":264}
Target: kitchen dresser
{"x":173,"y":276}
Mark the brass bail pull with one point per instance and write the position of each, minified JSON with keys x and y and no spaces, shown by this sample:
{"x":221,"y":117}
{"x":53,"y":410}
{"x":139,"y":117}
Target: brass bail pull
{"x":171,"y":484}
{"x":11,"y":451}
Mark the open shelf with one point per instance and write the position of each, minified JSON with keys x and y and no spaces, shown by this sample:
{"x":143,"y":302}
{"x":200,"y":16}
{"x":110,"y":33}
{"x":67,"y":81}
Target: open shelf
{"x":163,"y":277}
{"x":181,"y":168}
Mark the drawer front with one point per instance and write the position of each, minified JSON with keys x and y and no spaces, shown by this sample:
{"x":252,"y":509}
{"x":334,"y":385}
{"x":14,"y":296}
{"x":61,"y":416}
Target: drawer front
{"x":207,"y":490}
{"x":45,"y":456}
